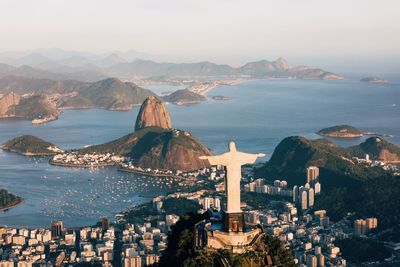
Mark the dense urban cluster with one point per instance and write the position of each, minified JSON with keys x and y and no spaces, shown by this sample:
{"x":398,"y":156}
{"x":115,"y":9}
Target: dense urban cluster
{"x":289,"y":216}
{"x":86,"y":160}
{"x":377,"y":163}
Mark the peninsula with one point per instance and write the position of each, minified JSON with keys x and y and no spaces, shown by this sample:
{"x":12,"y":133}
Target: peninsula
{"x":37,"y":108}
{"x":155,"y":148}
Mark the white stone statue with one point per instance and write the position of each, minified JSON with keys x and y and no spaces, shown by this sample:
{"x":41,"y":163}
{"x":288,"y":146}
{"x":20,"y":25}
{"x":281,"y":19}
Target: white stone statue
{"x":233,"y":161}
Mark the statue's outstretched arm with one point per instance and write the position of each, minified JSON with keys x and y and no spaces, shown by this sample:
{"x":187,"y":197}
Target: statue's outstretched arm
{"x":247,"y":158}
{"x":216,"y":160}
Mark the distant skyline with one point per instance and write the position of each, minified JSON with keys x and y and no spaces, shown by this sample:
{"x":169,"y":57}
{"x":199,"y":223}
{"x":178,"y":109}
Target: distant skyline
{"x":354,"y":35}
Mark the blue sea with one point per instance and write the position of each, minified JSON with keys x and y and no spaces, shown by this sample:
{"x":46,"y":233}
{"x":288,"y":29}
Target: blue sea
{"x":258,"y":116}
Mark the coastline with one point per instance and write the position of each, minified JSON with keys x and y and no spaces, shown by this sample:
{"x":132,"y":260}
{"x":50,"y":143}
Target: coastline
{"x":206,"y":87}
{"x":340,"y":136}
{"x":147,"y":173}
{"x":13,"y":205}
{"x":28,"y":154}
{"x":54,"y":163}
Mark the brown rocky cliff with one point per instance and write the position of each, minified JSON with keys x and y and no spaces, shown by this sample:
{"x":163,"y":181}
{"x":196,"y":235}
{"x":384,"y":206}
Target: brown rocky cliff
{"x":8,"y":100}
{"x":153,"y":113}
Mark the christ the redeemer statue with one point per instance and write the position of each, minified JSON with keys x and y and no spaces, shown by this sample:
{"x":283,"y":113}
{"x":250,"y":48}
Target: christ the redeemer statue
{"x":233,"y":161}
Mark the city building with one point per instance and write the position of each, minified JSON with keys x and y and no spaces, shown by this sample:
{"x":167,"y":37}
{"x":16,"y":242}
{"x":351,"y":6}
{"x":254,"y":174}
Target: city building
{"x":56,"y":228}
{"x":312,"y":174}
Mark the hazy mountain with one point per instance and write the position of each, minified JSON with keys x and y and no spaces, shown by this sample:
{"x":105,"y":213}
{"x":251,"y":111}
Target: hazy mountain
{"x":148,"y":68}
{"x":111,"y":94}
{"x":184,"y":97}
{"x":5,"y":68}
{"x":259,"y":69}
{"x":22,"y":85}
{"x":91,"y":67}
{"x":63,"y":74}
{"x":263,"y":67}
{"x":110,"y":60}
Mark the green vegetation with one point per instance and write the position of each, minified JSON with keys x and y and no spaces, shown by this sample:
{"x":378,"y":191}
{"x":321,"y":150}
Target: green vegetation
{"x":139,"y":213}
{"x":337,"y":201}
{"x":258,"y":200}
{"x":8,"y":200}
{"x":378,"y":149}
{"x":180,"y":206}
{"x":347,"y":186}
{"x":294,"y":154}
{"x":392,"y":234}
{"x":157,"y":148}
{"x":180,"y":250}
{"x":359,"y":250}
{"x":341,"y":131}
{"x":29,"y":145}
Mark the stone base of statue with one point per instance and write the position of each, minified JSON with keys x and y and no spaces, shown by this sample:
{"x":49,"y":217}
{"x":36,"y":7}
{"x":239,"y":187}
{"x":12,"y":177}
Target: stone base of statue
{"x":233,"y":222}
{"x":239,"y":242}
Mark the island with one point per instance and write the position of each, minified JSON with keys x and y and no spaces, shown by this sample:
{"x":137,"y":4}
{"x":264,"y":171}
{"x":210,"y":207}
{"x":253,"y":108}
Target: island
{"x":373,"y":79}
{"x":29,"y":145}
{"x":8,"y":200}
{"x":184,"y":97}
{"x":341,"y":131}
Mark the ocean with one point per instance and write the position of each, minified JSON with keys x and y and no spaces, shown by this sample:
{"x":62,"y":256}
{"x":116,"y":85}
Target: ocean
{"x":257,"y":117}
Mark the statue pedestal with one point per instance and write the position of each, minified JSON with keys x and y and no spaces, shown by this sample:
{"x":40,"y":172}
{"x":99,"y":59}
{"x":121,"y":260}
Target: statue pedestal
{"x":236,"y":242}
{"x":233,"y":222}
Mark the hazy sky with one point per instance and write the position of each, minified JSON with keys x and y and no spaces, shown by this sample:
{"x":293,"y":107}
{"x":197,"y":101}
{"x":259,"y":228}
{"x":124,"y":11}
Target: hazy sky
{"x":304,"y":31}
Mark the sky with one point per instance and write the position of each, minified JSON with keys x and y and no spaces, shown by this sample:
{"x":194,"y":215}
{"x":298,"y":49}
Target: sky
{"x":337,"y":34}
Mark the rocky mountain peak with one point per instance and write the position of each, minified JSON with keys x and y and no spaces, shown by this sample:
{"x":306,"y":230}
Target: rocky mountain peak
{"x":153,"y":113}
{"x":7,"y":101}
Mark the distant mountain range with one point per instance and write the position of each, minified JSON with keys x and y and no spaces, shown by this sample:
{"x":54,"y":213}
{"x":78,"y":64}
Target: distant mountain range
{"x":110,"y":93}
{"x":64,"y":65}
{"x":39,"y":100}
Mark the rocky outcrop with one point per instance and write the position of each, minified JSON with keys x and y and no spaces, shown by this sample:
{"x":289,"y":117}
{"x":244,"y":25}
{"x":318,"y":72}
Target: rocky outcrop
{"x":154,"y":144}
{"x":153,"y":113}
{"x":38,"y":108}
{"x":7,"y":101}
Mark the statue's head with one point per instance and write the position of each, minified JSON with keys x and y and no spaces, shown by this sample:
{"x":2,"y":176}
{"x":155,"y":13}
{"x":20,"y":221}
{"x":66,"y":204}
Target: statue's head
{"x":232,"y":146}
